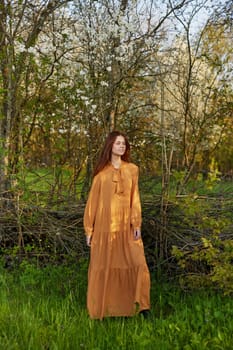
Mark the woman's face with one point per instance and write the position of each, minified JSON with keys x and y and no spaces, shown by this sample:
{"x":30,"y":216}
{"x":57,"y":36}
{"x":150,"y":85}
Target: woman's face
{"x":119,"y":146}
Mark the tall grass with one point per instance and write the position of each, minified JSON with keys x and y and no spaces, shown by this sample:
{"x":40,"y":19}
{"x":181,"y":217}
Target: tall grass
{"x":45,"y":308}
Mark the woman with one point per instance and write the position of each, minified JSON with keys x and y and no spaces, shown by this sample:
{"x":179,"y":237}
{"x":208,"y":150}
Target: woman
{"x":118,"y":276}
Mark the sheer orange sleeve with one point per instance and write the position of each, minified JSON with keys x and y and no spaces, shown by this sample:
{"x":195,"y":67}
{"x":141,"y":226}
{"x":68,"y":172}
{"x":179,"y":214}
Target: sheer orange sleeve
{"x":136,"y":212}
{"x":91,"y":206}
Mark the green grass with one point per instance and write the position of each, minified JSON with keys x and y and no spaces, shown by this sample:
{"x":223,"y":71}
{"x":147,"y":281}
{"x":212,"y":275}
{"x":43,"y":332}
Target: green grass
{"x":152,"y":187}
{"x":43,"y":185}
{"x":45,"y":308}
{"x":55,"y":185}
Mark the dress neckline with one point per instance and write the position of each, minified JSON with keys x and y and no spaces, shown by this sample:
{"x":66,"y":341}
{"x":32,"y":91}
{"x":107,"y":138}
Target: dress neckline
{"x":115,"y":167}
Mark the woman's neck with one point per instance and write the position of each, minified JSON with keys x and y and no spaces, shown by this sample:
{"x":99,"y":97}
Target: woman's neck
{"x":116,"y":161}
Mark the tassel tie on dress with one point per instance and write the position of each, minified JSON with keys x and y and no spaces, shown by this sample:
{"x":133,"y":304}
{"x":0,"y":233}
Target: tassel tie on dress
{"x":117,"y":179}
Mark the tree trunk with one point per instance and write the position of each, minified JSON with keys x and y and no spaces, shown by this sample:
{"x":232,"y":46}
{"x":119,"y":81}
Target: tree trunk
{"x":12,"y":69}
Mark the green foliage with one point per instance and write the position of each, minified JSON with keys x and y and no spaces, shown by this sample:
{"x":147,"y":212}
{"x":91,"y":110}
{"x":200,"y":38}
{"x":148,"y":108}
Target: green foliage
{"x":213,"y":175}
{"x":207,"y":259}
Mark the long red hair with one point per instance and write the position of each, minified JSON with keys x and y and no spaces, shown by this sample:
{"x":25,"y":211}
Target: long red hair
{"x":106,"y":153}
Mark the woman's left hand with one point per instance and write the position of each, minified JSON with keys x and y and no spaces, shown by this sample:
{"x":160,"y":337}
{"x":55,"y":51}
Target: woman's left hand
{"x":88,"y":240}
{"x":137,"y":233}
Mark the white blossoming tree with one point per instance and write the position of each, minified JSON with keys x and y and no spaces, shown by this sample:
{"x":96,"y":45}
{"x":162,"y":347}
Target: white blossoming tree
{"x":118,"y":40}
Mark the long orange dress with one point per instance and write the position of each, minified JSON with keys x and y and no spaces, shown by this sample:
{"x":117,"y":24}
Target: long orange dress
{"x":118,"y":276}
